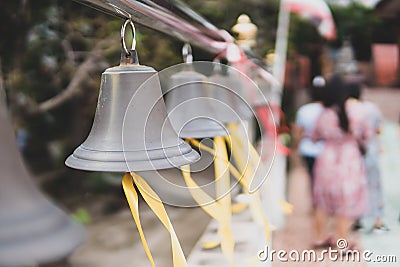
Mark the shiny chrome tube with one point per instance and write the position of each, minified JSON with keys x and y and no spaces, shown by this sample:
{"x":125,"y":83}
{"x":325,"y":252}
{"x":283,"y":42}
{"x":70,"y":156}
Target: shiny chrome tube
{"x":168,"y":16}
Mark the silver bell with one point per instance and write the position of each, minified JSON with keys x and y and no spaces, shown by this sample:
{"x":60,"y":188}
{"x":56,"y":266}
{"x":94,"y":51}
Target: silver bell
{"x":32,"y":229}
{"x":131,"y":131}
{"x":227,"y":89}
{"x":188,"y":101}
{"x":190,"y":106}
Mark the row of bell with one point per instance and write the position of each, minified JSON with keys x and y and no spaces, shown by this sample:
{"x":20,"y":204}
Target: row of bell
{"x":145,"y":141}
{"x":134,"y":130}
{"x":198,"y":106}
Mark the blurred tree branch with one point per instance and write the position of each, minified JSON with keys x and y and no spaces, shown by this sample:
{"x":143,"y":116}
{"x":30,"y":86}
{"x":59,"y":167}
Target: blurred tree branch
{"x":92,"y":62}
{"x":68,"y":51}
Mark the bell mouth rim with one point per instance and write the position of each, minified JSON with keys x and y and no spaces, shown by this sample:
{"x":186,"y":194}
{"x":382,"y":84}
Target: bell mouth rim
{"x":138,"y":165}
{"x":85,"y":152}
{"x":209,"y":128}
{"x":202,"y":133}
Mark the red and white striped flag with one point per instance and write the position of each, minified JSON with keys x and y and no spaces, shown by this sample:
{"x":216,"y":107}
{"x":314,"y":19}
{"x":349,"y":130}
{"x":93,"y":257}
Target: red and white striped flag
{"x":317,"y":11}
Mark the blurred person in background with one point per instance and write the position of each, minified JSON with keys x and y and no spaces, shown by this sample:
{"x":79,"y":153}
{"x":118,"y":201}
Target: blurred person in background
{"x":340,"y":186}
{"x":371,"y":160}
{"x":306,"y":118}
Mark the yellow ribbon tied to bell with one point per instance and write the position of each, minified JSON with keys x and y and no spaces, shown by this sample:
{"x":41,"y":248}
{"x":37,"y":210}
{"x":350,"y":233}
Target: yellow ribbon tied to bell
{"x":156,"y":205}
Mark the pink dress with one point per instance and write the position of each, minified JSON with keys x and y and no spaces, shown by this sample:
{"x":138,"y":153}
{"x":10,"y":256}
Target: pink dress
{"x":340,"y":182}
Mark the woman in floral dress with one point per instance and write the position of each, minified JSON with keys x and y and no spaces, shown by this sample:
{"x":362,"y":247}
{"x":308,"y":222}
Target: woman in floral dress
{"x":340,"y":182}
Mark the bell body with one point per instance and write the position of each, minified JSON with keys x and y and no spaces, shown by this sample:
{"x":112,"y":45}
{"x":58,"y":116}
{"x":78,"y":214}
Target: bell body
{"x":228,"y":91}
{"x":190,"y":107}
{"x":131,"y":131}
{"x":32,"y":229}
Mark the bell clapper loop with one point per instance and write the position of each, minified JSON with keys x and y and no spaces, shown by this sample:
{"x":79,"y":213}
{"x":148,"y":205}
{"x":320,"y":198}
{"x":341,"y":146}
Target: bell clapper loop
{"x":187,"y":53}
{"x":123,"y":28}
{"x":129,"y":56}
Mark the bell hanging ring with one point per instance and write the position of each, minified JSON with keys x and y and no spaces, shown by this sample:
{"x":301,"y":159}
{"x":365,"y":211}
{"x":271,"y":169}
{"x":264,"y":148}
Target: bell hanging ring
{"x":131,"y":130}
{"x":128,"y":56}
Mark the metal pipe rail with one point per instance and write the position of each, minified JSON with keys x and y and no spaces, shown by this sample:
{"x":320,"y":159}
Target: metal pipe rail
{"x":168,"y":16}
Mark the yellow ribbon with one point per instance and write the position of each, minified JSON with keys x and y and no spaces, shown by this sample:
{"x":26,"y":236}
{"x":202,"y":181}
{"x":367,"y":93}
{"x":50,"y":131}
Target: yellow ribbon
{"x":239,"y":207}
{"x":210,"y":244}
{"x":247,"y":161}
{"x":132,"y":197}
{"x":220,"y":209}
{"x":255,"y":160}
{"x":232,"y":168}
{"x":157,"y":207}
{"x":216,"y":210}
{"x":222,"y":188}
{"x":247,"y":174}
{"x":287,"y":207}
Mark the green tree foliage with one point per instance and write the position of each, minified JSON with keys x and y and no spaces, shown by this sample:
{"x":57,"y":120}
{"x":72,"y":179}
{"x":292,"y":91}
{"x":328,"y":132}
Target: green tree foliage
{"x":223,"y":13}
{"x":356,"y":23}
{"x":45,"y":46}
{"x":46,"y":42}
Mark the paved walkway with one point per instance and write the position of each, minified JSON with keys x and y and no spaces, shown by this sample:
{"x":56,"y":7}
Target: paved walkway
{"x":388,"y":243}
